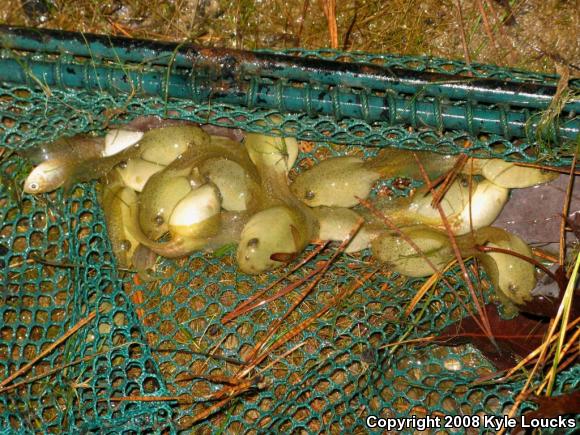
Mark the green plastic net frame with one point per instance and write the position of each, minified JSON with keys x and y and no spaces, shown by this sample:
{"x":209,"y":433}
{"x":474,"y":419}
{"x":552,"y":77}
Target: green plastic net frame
{"x":331,"y":383}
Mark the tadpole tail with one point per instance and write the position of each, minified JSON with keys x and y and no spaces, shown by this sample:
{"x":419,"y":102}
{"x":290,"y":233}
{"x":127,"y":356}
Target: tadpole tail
{"x":392,"y":162}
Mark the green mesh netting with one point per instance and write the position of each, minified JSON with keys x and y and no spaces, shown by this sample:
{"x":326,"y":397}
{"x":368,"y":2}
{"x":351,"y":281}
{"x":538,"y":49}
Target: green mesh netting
{"x":144,"y":337}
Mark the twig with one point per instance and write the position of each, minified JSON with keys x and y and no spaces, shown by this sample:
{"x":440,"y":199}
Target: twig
{"x":216,"y":379}
{"x":449,"y":178}
{"x":548,"y":168}
{"x":487,"y":26}
{"x":520,"y":256}
{"x":49,"y":349}
{"x":329,"y":8}
{"x":541,"y":349}
{"x":350,"y":27}
{"x":284,"y":355}
{"x":209,"y":411}
{"x":573,"y":340}
{"x":452,"y":174}
{"x":239,"y":310}
{"x":462,"y":32}
{"x":295,"y":331}
{"x":540,"y":253}
{"x":563,"y":314}
{"x":306,"y":292}
{"x":566,"y":209}
{"x":504,"y":36}
{"x":57,"y":369}
{"x":148,"y":399}
{"x":289,"y":288}
{"x":119,"y":28}
{"x":470,"y":193}
{"x":206,"y":354}
{"x":413,"y":340}
{"x":238,"y":386}
{"x":35,"y":258}
{"x":522,"y":394}
{"x":426,"y":286}
{"x":484,"y":320}
{"x":419,"y":251}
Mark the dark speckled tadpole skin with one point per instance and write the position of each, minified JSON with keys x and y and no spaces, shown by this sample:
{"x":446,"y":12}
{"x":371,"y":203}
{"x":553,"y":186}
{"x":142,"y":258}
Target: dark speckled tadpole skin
{"x":534,"y":213}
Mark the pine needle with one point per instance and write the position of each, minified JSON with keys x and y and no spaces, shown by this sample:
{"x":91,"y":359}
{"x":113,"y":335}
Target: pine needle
{"x":49,"y":349}
{"x":431,"y":281}
{"x":566,"y":208}
{"x":564,"y":314}
{"x":483,"y":321}
{"x":329,"y":8}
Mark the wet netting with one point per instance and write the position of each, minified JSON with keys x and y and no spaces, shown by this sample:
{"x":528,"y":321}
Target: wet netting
{"x":143,"y":339}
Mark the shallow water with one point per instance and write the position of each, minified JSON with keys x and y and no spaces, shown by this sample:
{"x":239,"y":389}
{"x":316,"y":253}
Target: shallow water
{"x":534,"y":213}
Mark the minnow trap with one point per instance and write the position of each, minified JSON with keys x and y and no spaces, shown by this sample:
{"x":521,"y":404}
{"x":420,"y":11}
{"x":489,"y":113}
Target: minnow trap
{"x":165,"y":340}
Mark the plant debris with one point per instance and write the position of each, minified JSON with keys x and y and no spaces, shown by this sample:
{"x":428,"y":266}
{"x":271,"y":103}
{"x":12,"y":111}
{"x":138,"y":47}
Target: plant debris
{"x":553,"y":406}
{"x":513,"y":338}
{"x":548,"y":295}
{"x":534,"y":34}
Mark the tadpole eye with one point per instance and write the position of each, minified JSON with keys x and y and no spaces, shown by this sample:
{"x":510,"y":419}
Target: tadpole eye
{"x":464,"y":182}
{"x":33,"y":186}
{"x":125,"y":245}
{"x":159,"y":220}
{"x":253,"y":243}
{"x":309,"y":194}
{"x":123,"y":164}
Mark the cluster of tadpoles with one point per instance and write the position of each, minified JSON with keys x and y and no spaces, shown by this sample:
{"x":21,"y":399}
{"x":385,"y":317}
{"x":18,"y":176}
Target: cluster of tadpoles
{"x":176,"y":189}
